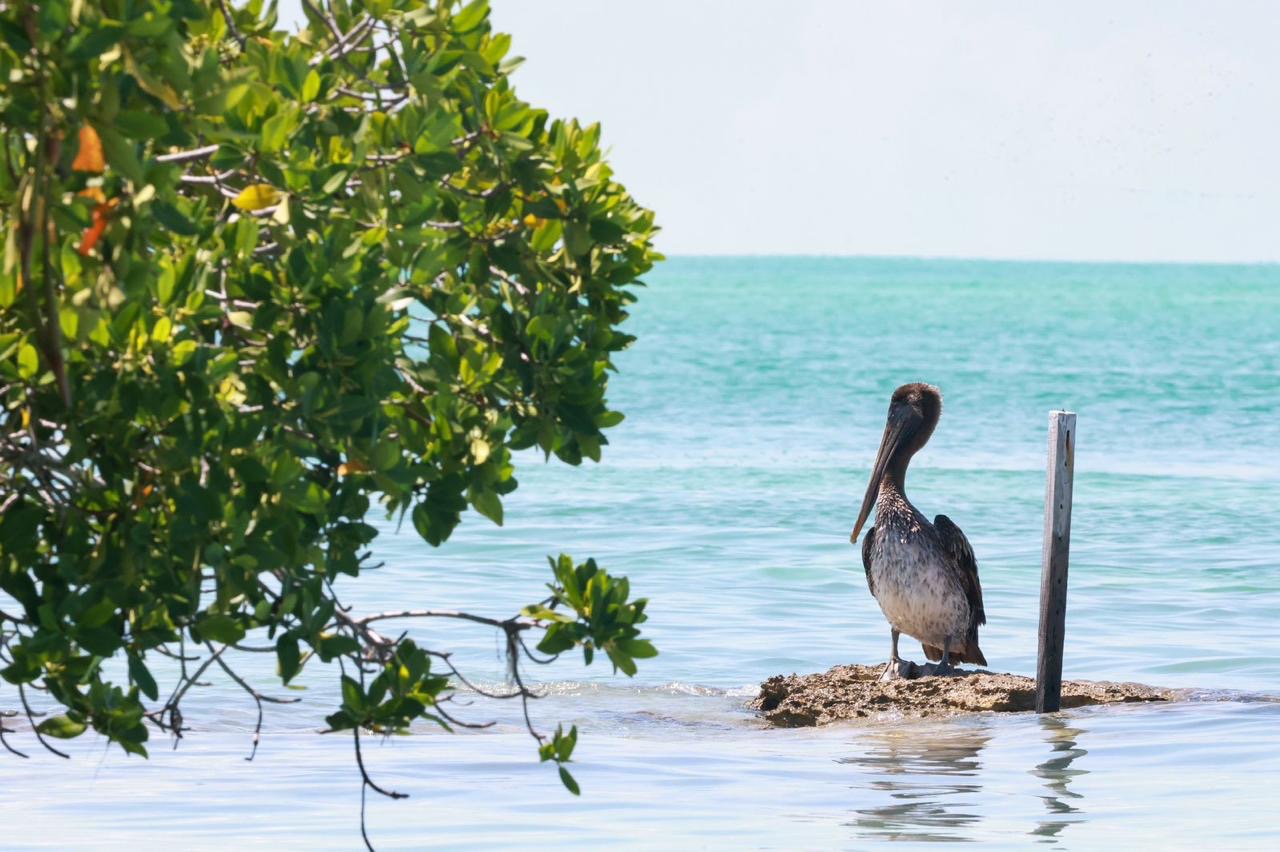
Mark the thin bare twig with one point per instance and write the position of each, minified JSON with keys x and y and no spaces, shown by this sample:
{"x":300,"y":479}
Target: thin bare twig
{"x":475,"y":726}
{"x":188,"y":156}
{"x":468,"y":684}
{"x":162,"y":650}
{"x":515,"y":285}
{"x":175,"y":699}
{"x":540,"y":661}
{"x":258,"y":698}
{"x":231,"y":24}
{"x":503,"y":624}
{"x":22,"y":693}
{"x":367,"y":783}
{"x":5,"y":743}
{"x":525,"y":694}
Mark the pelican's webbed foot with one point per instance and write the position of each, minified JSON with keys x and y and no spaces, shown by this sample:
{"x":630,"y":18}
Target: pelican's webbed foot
{"x":897,"y":668}
{"x":943,"y":669}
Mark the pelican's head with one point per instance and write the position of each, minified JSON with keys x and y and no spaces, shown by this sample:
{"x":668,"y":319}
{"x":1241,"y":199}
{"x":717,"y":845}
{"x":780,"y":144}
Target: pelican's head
{"x":914,"y":410}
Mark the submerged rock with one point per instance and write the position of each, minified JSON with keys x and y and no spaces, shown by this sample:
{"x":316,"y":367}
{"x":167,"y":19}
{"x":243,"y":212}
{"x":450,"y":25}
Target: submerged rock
{"x":856,"y":692}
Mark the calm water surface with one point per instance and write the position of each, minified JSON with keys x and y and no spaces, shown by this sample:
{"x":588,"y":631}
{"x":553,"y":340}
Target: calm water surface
{"x":755,"y":400}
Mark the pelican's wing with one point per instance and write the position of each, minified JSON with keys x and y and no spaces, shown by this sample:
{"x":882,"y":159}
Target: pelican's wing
{"x":962,"y":564}
{"x":866,"y":559}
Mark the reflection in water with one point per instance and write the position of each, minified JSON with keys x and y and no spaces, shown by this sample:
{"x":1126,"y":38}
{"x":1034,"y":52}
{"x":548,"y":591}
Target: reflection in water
{"x":1057,"y":774}
{"x":931,"y":779}
{"x":934,"y":780}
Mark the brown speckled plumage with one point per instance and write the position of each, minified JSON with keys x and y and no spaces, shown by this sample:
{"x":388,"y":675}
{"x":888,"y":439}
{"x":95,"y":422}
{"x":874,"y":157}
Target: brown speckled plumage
{"x":923,"y":575}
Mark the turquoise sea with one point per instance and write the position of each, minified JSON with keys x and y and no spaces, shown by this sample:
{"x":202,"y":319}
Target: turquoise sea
{"x":755,"y":398}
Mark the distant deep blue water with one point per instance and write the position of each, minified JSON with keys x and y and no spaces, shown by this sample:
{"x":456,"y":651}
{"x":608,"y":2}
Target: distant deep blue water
{"x":755,"y":398}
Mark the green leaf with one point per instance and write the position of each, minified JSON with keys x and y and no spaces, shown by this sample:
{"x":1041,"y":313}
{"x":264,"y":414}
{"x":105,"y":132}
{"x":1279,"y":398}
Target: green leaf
{"x":352,"y":325}
{"x":132,"y":747}
{"x":620,"y":659}
{"x":576,"y":238}
{"x":335,"y":182}
{"x":641,"y":649}
{"x":569,"y":783}
{"x":246,"y":236}
{"x":161,"y":331}
{"x":28,"y":361}
{"x":141,"y":676}
{"x":311,"y":86}
{"x":165,"y":282}
{"x":306,"y":496}
{"x":288,"y":656}
{"x":488,"y":504}
{"x":352,"y":695}
{"x":91,"y":41}
{"x":610,"y":419}
{"x":173,"y":219}
{"x":546,"y":235}
{"x":541,"y":327}
{"x":8,"y":286}
{"x":121,"y":154}
{"x":336,"y":646}
{"x":182,"y":352}
{"x":99,"y":614}
{"x":275,"y":131}
{"x":102,"y":641}
{"x":565,"y":743}
{"x":557,"y":641}
{"x":605,"y":231}
{"x":385,"y":455}
{"x":62,"y":727}
{"x":471,"y":16}
{"x":140,"y":125}
{"x":219,"y":627}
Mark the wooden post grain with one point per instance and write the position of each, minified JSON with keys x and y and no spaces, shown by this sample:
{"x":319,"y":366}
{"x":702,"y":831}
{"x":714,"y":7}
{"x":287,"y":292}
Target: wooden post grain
{"x":1057,"y":545}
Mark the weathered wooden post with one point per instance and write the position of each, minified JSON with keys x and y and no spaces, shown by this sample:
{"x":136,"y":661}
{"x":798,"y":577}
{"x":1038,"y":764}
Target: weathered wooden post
{"x":1057,"y":544}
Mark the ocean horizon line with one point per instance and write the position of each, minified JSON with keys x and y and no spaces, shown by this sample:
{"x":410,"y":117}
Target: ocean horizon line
{"x":938,"y":258}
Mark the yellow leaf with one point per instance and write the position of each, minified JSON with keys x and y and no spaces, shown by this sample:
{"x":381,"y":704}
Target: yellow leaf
{"x":231,"y":391}
{"x":352,"y":466}
{"x":257,"y":197}
{"x":531,"y":220}
{"x":89,"y":158}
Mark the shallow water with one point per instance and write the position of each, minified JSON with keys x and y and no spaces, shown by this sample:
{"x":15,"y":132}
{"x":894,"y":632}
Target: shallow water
{"x":755,"y":400}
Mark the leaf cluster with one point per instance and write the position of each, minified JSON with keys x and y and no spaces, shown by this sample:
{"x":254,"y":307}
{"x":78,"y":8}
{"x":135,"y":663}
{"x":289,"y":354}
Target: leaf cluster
{"x":257,"y":285}
{"x":602,"y":616}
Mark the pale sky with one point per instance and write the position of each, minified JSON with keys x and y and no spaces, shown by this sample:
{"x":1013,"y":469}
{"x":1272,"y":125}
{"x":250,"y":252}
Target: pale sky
{"x":1082,"y":130}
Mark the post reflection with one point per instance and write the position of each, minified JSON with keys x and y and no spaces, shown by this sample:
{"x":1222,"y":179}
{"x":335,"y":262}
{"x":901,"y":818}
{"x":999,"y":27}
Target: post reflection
{"x":1061,"y":802}
{"x":930,"y":776}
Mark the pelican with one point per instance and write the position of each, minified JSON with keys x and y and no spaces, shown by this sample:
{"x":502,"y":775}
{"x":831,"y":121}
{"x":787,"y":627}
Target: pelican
{"x":923,"y":575}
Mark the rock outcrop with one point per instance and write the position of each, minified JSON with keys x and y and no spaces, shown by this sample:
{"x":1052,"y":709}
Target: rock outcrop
{"x":856,"y":692}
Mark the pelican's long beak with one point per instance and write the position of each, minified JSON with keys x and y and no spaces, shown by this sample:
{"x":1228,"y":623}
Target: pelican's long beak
{"x":894,"y":432}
